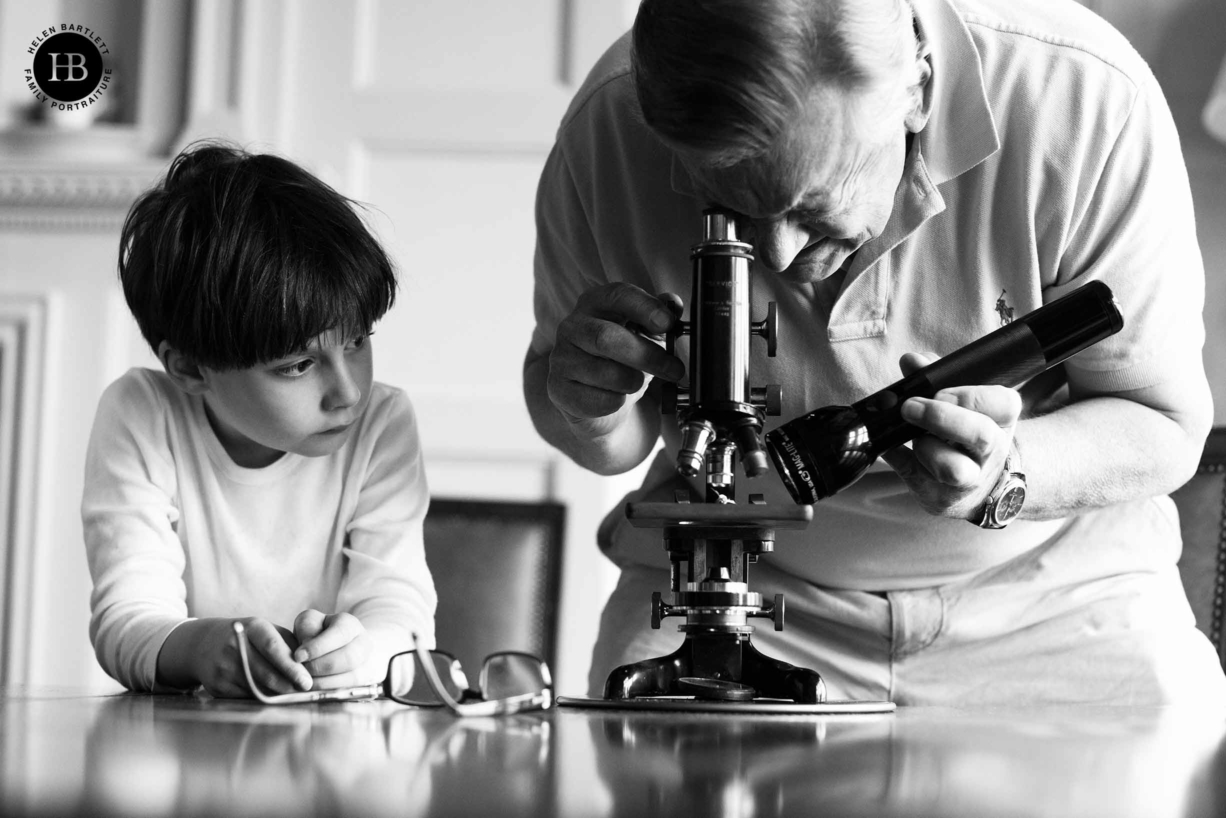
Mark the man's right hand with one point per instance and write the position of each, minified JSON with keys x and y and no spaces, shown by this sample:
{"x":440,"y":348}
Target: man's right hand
{"x":603,"y":351}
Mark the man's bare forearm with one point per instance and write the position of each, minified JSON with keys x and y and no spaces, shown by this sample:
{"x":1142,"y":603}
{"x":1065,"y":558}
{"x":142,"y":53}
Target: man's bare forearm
{"x":609,"y":445}
{"x":1103,"y":451}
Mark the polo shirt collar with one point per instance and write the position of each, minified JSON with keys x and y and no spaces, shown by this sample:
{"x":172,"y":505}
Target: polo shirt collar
{"x":960,"y":132}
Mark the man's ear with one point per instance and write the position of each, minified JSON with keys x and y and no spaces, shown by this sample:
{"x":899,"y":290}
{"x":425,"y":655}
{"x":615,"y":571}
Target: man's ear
{"x":184,"y":371}
{"x":920,"y":104}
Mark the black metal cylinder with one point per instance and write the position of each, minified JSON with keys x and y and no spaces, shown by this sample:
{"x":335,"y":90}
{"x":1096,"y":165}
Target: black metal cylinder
{"x":828,"y":449}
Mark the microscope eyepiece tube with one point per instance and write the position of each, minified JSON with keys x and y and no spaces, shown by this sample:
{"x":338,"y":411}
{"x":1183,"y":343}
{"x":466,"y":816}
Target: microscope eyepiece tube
{"x":721,"y":406}
{"x":718,"y":225}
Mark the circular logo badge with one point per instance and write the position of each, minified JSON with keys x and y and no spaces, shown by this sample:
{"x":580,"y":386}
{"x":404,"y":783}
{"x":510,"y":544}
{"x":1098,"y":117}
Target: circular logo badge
{"x":67,"y":67}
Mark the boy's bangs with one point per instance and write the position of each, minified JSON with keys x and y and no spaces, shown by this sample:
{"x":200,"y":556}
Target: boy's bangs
{"x":324,"y":294}
{"x":306,"y":281}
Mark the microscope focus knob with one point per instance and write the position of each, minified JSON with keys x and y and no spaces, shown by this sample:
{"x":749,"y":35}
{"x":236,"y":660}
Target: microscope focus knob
{"x":774,"y":399}
{"x":768,"y":329}
{"x":661,"y":609}
{"x":769,"y":398}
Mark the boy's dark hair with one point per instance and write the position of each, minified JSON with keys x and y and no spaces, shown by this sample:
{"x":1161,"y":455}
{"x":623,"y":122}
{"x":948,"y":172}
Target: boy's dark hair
{"x":237,"y":258}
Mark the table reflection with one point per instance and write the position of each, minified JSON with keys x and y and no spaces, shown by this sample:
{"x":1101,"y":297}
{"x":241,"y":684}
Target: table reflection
{"x":193,"y":756}
{"x":703,"y":764}
{"x":182,"y":755}
{"x":1070,"y":762}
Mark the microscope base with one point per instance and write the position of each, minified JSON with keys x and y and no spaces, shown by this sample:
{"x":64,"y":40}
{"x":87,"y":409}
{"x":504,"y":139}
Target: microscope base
{"x":773,"y":707}
{"x":716,"y":657}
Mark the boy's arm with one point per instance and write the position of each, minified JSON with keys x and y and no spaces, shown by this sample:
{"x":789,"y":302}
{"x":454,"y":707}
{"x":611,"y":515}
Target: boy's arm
{"x":387,"y":584}
{"x":128,"y":515}
{"x":140,"y":628}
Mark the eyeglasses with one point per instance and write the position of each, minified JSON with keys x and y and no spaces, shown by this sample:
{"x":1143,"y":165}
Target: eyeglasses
{"x":509,"y":682}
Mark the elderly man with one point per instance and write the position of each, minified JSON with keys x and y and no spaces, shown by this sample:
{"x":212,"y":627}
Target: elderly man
{"x":911,"y":175}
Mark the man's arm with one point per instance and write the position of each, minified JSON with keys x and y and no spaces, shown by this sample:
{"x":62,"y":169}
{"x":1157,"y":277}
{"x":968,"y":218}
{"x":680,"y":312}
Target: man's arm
{"x":1153,"y":440}
{"x":1139,"y":405}
{"x":610,"y":445}
{"x":1097,"y":451}
{"x":588,"y":395}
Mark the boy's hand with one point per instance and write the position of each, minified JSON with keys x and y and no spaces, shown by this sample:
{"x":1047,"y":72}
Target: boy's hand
{"x":205,"y":652}
{"x":332,"y":647}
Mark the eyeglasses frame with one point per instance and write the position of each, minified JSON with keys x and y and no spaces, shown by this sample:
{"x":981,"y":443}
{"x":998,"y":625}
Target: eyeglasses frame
{"x":464,"y":707}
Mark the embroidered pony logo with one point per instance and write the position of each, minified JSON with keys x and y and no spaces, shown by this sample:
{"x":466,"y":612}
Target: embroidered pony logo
{"x":1003,"y":309}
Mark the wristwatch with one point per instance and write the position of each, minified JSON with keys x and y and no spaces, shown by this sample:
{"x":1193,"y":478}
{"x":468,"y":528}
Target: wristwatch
{"x":1005,"y":500}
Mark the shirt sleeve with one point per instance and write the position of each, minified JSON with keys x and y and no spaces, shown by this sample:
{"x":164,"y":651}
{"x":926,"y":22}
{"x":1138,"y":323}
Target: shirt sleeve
{"x":1137,"y":233}
{"x":128,"y":514}
{"x":387,"y":583}
{"x":567,"y":262}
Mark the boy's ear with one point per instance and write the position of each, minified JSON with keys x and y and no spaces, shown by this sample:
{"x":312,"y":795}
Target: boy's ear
{"x":184,"y":371}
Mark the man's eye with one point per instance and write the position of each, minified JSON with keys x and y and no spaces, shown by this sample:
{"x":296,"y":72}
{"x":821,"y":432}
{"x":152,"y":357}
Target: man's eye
{"x":295,"y":369}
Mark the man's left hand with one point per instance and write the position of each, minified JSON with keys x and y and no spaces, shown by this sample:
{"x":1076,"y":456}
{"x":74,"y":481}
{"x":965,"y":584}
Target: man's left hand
{"x":968,"y":433}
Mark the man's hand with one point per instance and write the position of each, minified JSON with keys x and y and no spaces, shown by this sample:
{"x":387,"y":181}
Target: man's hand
{"x":204,"y":652}
{"x":600,"y":355}
{"x":332,"y":647}
{"x":953,"y":467}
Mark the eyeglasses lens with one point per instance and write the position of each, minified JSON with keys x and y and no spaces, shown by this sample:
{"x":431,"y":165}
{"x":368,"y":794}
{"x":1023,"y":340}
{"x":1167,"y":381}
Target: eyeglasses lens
{"x":409,"y":682}
{"x":512,"y":674}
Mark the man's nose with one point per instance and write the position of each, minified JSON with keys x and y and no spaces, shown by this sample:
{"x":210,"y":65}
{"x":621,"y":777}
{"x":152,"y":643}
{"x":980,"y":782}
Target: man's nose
{"x":344,"y":390}
{"x":776,"y":243}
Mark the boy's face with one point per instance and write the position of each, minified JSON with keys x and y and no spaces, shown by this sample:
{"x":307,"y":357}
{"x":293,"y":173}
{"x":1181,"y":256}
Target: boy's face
{"x":307,"y":404}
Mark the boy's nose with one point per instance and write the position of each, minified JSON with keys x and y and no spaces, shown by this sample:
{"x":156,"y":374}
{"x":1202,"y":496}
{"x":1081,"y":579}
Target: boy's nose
{"x":776,"y":243}
{"x":344,"y":391}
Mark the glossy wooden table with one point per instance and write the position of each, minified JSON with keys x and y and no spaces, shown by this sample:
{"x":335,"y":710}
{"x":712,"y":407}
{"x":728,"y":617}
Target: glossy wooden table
{"x":65,"y":753}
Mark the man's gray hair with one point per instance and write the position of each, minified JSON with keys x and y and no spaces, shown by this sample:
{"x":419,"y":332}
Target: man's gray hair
{"x":723,"y":77}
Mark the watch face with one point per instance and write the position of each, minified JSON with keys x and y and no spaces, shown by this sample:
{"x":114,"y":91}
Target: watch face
{"x":1010,"y":504}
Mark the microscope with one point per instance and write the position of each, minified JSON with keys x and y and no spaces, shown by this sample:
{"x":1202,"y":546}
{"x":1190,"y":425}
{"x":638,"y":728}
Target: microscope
{"x":712,"y":542}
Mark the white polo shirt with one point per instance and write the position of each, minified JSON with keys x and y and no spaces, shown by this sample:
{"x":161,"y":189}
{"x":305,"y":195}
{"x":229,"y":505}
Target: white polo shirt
{"x":1050,"y":159}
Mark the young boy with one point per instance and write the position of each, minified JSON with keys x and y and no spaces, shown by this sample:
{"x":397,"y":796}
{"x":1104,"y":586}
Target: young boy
{"x":263,"y":476}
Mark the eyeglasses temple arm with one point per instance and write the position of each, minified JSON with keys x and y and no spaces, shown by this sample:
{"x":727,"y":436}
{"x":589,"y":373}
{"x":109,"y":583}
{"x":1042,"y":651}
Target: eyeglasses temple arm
{"x":341,"y":694}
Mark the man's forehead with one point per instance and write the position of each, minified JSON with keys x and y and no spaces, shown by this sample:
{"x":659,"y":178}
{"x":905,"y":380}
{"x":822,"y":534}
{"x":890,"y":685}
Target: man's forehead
{"x":803,"y":169}
{"x":771,"y":186}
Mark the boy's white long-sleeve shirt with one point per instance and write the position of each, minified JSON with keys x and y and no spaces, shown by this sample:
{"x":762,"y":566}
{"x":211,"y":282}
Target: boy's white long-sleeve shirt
{"x":175,"y":530}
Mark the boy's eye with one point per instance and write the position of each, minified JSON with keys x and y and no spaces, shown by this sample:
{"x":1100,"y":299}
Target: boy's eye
{"x":360,"y":341}
{"x":295,"y":369}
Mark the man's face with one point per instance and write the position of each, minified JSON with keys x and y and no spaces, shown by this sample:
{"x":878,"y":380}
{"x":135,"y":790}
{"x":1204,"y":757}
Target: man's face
{"x":824,"y":190}
{"x":308,"y":403}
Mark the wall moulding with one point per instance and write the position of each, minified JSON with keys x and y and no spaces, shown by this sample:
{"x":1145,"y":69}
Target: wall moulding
{"x":71,"y":198}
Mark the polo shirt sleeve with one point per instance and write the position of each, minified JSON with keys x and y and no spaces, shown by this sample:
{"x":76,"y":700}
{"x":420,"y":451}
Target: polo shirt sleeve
{"x":567,"y":261}
{"x":1137,"y":232}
